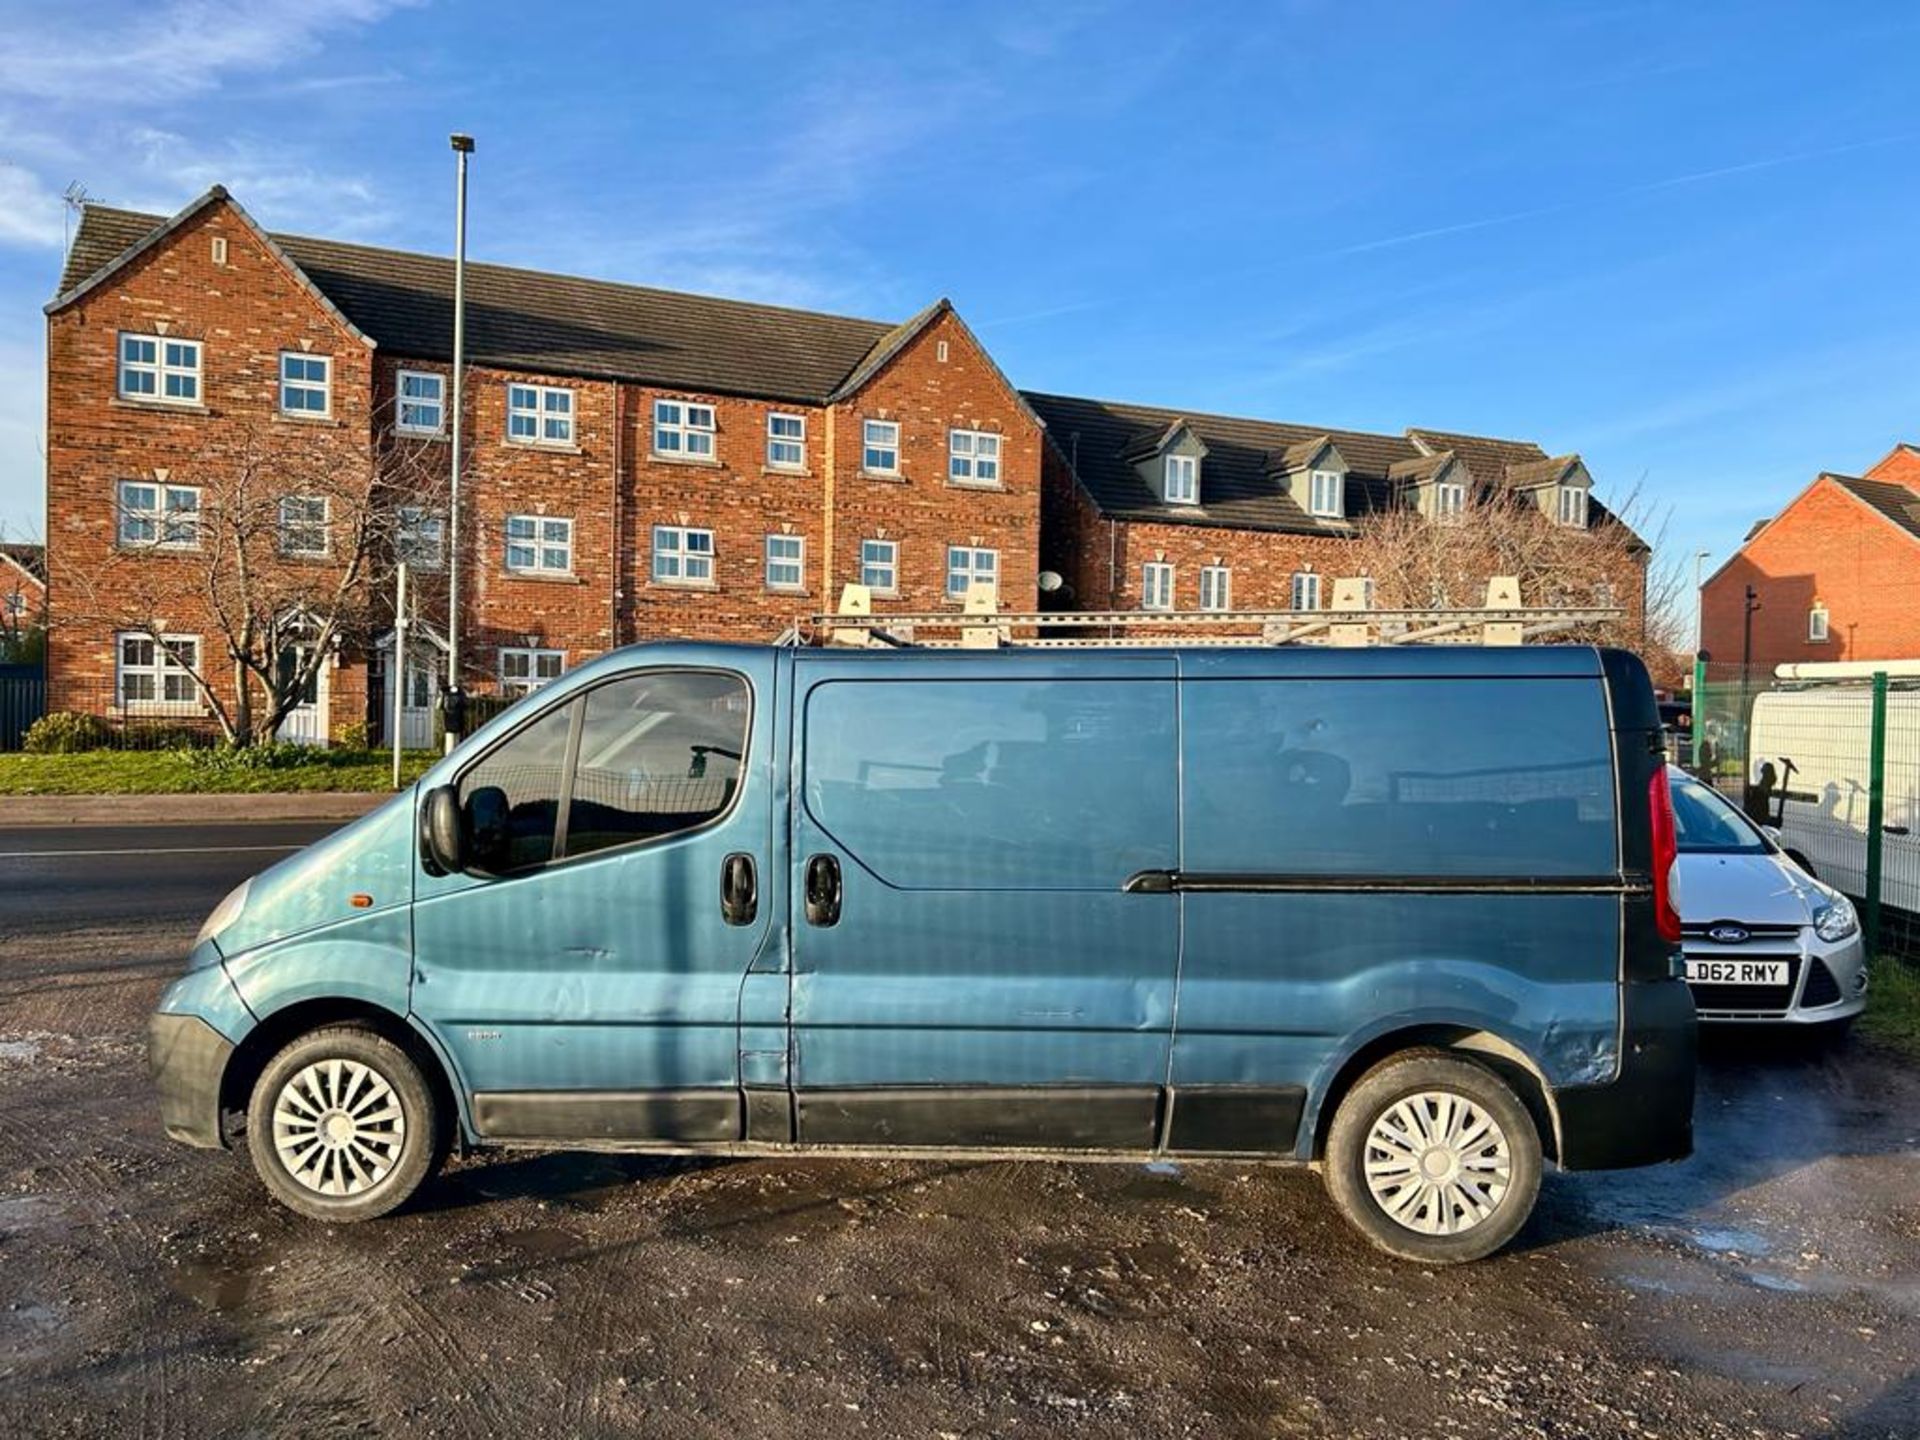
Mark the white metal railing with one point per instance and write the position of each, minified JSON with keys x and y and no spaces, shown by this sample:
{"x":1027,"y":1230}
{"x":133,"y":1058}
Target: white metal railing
{"x":981,"y":625}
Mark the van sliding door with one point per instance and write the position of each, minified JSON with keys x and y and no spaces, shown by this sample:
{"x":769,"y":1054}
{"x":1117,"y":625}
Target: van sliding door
{"x":969,"y":968}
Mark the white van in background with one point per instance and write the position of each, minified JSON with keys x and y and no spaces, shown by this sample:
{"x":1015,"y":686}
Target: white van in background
{"x":1818,"y":742}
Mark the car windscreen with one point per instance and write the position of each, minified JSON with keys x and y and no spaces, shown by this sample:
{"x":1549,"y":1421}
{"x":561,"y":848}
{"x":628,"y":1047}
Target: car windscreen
{"x":1706,"y":824}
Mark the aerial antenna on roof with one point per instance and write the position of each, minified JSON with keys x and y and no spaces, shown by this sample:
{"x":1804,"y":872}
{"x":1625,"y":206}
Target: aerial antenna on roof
{"x":76,"y":198}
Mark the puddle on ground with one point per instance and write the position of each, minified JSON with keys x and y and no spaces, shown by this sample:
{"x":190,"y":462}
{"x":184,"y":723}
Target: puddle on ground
{"x":543,"y":1242}
{"x":31,"y":1215}
{"x":1724,"y":1240}
{"x":23,"y":1052}
{"x":212,"y":1284}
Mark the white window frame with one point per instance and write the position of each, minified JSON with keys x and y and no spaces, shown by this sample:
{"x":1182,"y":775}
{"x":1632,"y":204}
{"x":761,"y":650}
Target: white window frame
{"x":683,"y":555}
{"x":165,"y":670}
{"x":1449,"y":501}
{"x":169,"y":370}
{"x":797,"y":561}
{"x":1819,"y":625}
{"x":1303,"y":592}
{"x":872,"y":564}
{"x":973,"y":458}
{"x":1180,"y":479}
{"x":780,"y":444}
{"x":306,"y":385}
{"x":285,"y":526}
{"x":1216,"y":587}
{"x":1156,"y":585}
{"x":970,"y":564}
{"x":420,"y":537}
{"x":521,"y":667}
{"x":544,"y":537}
{"x":870,"y":447}
{"x":684,"y":430}
{"x":402,"y":401}
{"x":168,"y":534}
{"x":552,"y":424}
{"x":1571,"y":507}
{"x":1327,"y":494}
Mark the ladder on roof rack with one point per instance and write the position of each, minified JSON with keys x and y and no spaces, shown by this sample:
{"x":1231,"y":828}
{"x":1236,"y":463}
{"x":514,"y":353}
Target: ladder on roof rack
{"x":1350,"y":622}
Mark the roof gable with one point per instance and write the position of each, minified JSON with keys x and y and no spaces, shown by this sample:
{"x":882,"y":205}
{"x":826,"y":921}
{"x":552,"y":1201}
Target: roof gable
{"x":166,"y":229}
{"x":27,"y":560}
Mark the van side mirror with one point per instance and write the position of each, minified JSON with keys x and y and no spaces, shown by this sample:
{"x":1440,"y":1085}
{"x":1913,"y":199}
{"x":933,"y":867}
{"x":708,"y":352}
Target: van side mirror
{"x":443,"y":841}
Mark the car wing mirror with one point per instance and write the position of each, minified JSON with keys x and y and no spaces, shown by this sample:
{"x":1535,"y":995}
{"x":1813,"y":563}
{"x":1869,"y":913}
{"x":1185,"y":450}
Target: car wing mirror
{"x":443,"y":837}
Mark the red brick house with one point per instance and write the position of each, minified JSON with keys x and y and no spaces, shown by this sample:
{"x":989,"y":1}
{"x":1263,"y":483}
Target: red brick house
{"x":1149,"y":508}
{"x":638,"y":463}
{"x":23,"y":594}
{"x":1832,"y":576}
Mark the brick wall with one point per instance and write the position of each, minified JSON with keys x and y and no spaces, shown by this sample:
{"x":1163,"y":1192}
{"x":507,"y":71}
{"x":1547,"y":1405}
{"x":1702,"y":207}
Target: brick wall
{"x":1825,"y":548}
{"x":244,"y":312}
{"x":1901,"y":466}
{"x":940,"y":381}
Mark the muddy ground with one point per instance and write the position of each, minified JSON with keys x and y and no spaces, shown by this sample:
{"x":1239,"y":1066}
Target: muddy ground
{"x":1770,"y":1286}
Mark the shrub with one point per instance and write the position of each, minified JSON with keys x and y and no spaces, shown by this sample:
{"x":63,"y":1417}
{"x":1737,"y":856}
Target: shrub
{"x":67,"y":732}
{"x":273,"y":755}
{"x":353,"y":736}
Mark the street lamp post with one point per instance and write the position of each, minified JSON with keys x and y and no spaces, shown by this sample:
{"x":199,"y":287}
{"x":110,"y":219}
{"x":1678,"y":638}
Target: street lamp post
{"x":456,"y":700}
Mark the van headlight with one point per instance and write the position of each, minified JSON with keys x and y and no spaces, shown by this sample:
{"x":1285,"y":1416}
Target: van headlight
{"x":224,"y":914}
{"x":1836,"y":920}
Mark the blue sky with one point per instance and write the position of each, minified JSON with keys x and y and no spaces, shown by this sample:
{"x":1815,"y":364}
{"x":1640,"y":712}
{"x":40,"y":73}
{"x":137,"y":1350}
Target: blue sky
{"x":1680,"y":240}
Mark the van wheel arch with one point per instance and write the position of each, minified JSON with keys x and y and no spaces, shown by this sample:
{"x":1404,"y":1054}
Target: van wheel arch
{"x":1501,"y":1056}
{"x":273,"y":1034}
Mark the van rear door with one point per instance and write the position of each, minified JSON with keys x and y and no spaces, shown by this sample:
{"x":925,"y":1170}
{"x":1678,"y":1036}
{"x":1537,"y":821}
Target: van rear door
{"x":969,"y":968}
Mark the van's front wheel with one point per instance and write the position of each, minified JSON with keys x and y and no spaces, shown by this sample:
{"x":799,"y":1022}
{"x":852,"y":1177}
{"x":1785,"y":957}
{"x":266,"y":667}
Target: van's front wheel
{"x":1434,"y":1158}
{"x":342,"y":1125}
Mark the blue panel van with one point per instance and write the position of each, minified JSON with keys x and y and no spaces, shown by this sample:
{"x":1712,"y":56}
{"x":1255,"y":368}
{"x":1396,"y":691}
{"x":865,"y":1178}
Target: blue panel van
{"x":1403,"y":914}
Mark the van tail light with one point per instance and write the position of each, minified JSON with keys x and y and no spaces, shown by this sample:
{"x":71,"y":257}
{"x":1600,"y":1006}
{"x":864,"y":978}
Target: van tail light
{"x":1666,"y":857}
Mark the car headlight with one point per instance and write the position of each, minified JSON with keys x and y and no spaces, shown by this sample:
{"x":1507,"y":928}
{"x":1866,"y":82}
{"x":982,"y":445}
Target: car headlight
{"x":1836,"y":920}
{"x":224,"y":914}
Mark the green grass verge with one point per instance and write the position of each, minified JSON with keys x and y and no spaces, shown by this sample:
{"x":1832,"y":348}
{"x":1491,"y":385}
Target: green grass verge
{"x":180,"y":772}
{"x":1893,"y":1006}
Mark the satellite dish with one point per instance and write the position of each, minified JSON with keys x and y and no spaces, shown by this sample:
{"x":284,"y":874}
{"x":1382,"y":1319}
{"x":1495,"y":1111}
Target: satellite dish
{"x":1050,"y":581}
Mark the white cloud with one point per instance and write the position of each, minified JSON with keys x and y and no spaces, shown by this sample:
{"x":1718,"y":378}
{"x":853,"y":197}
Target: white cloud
{"x":29,"y":209}
{"x":57,"y":54}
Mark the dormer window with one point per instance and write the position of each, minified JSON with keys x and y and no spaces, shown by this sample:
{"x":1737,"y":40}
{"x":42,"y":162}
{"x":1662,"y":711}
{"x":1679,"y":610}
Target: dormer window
{"x":1181,"y":480}
{"x":1449,"y":501}
{"x":1572,"y":507}
{"x":1326,"y":494}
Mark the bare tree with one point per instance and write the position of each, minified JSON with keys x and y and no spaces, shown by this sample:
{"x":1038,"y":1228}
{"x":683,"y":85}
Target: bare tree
{"x":1416,"y":562}
{"x":284,"y":562}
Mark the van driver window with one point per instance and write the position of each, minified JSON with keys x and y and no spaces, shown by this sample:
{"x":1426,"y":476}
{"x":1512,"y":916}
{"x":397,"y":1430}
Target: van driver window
{"x":528,"y":771}
{"x":1458,"y":777}
{"x":659,"y":753}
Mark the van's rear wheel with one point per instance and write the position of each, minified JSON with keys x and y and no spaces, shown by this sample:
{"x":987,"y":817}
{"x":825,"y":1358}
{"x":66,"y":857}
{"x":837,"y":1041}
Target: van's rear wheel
{"x":342,"y":1125}
{"x":1434,"y":1158}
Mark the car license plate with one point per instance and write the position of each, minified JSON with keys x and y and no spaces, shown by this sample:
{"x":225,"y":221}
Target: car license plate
{"x":1737,"y":972}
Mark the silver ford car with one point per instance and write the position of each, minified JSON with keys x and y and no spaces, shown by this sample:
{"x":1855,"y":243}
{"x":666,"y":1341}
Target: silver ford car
{"x":1765,"y":942}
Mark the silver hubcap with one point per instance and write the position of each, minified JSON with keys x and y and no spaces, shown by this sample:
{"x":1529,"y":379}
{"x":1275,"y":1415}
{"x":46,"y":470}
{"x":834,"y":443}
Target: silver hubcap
{"x":1437,"y":1163}
{"x":338,"y":1127}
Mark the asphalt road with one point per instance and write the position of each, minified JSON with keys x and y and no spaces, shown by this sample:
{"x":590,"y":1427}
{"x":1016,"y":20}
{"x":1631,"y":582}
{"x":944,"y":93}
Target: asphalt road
{"x":54,"y":876}
{"x":1768,"y":1287}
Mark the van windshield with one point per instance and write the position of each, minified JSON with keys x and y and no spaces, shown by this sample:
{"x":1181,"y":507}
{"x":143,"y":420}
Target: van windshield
{"x":1706,"y":824}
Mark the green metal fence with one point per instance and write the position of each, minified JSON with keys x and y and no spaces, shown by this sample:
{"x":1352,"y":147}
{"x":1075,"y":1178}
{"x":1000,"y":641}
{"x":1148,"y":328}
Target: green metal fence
{"x":1834,"y":765}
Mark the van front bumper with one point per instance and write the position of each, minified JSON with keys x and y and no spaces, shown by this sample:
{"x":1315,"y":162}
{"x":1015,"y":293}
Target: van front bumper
{"x":1644,"y":1116}
{"x":187,"y":1057}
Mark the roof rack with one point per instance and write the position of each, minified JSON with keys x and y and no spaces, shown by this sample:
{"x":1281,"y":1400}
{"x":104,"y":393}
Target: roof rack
{"x":1350,"y":622}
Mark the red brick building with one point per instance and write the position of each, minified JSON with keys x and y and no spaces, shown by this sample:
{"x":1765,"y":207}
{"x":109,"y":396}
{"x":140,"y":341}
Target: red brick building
{"x":1149,"y":508}
{"x":638,"y":463}
{"x":23,"y":593}
{"x":1834,"y":576}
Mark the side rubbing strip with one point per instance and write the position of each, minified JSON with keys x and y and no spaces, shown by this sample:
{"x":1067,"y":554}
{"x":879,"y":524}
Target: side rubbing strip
{"x":1193,"y":882}
{"x":1236,"y":1119}
{"x":665,"y":1115}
